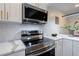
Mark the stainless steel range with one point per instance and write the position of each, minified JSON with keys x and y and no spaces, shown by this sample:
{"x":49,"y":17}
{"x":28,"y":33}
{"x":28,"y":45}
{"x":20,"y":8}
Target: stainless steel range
{"x":36,"y":44}
{"x":31,"y":37}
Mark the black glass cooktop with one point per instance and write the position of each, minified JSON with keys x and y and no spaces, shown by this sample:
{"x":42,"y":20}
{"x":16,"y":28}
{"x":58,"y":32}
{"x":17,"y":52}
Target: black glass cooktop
{"x":39,"y":47}
{"x":30,"y":43}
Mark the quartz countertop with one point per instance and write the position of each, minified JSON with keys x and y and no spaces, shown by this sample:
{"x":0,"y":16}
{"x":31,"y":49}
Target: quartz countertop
{"x":10,"y":47}
{"x":62,"y":36}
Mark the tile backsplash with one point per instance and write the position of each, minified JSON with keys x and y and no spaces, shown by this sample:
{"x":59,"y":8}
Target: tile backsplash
{"x":12,"y":31}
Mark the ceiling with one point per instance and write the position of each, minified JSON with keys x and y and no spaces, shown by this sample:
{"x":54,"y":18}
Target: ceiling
{"x":66,"y":8}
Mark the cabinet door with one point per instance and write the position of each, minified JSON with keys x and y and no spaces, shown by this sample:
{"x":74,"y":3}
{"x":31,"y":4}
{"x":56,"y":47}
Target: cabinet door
{"x":67,"y":47}
{"x":43,"y":6}
{"x":13,"y":12}
{"x":75,"y":48}
{"x":34,"y":4}
{"x":1,"y":11}
{"x":58,"y":47}
{"x":6,"y":11}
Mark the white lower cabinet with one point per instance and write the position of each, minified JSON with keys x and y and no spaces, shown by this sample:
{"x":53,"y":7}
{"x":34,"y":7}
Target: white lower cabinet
{"x":63,"y":47}
{"x":75,"y":48}
{"x":58,"y":47}
{"x":20,"y":53}
{"x":67,"y":47}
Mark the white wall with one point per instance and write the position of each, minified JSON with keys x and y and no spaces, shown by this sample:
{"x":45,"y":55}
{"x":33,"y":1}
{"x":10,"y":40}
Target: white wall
{"x":12,"y":31}
{"x":51,"y":27}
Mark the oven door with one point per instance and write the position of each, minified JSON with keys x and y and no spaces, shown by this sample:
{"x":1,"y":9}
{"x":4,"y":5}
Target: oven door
{"x":40,"y":50}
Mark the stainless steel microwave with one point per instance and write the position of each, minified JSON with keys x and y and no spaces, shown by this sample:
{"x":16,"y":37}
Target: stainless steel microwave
{"x":33,"y":14}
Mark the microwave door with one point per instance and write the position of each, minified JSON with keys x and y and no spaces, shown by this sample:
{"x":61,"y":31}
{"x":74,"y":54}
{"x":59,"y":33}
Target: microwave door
{"x":29,"y":13}
{"x":33,"y":14}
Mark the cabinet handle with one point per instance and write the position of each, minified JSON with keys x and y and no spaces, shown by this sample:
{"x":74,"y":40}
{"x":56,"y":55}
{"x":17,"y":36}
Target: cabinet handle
{"x":4,"y":14}
{"x":1,"y":14}
{"x":7,"y":15}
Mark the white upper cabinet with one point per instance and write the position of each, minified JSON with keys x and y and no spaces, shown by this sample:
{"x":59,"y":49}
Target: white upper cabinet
{"x":40,"y":5}
{"x":1,"y":11}
{"x":34,"y":4}
{"x":13,"y":12}
{"x":6,"y":11}
{"x":43,"y":6}
{"x":10,"y":12}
